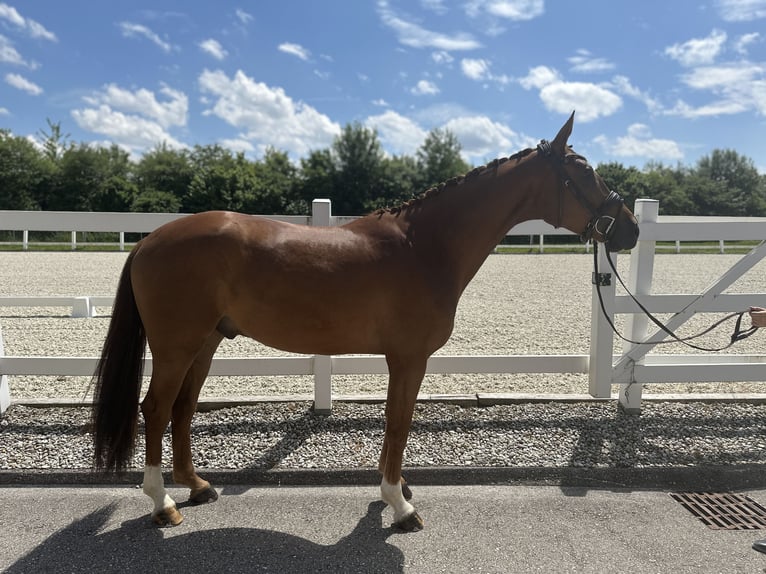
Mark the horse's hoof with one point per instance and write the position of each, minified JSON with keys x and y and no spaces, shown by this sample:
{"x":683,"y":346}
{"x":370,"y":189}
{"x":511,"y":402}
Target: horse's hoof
{"x":411,"y":523}
{"x":406,"y":492}
{"x":204,"y":496}
{"x":168,"y":517}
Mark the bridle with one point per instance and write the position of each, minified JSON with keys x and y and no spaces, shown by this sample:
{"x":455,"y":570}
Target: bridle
{"x":603,"y":224}
{"x":600,"y":222}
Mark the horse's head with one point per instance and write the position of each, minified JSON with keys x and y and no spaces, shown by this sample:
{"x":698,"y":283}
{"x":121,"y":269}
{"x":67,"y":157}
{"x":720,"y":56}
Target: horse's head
{"x":585,"y":204}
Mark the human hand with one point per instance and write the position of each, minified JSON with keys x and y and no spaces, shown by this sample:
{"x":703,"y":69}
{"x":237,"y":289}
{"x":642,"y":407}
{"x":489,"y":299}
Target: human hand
{"x":758,"y":315}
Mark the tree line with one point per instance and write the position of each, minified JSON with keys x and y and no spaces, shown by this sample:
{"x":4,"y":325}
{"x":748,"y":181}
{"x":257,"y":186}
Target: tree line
{"x":354,"y":172}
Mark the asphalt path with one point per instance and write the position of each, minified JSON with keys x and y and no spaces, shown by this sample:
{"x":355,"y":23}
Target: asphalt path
{"x":469,"y":528}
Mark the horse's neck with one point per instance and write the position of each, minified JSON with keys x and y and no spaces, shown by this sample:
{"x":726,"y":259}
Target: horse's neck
{"x":462,"y":225}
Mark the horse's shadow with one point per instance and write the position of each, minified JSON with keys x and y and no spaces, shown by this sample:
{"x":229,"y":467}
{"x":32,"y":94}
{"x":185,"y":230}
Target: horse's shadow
{"x":139,"y":547}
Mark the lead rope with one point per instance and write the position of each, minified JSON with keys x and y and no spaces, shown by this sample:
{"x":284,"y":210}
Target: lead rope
{"x":737,"y":335}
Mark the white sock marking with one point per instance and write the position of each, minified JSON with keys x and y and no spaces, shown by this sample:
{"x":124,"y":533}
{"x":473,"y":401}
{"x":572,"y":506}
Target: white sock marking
{"x":154,"y":488}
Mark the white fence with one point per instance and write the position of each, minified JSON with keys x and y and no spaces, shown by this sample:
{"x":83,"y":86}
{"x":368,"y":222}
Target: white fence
{"x":633,"y":369}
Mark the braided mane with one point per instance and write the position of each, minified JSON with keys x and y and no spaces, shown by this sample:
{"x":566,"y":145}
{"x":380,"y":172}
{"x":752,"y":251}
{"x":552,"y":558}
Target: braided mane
{"x":454,"y":182}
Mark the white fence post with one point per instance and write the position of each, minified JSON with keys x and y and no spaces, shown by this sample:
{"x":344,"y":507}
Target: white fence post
{"x":5,"y":393}
{"x":322,"y":384}
{"x":74,"y":240}
{"x":321,"y":212}
{"x":639,"y":283}
{"x":321,"y":215}
{"x":601,"y":335}
{"x":25,"y":240}
{"x":82,"y":307}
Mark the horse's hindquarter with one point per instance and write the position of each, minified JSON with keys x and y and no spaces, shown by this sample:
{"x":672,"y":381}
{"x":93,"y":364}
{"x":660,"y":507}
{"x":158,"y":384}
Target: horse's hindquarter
{"x":296,"y":288}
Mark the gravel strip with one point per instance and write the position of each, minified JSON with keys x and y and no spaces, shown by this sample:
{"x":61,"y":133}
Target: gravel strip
{"x":517,"y":304}
{"x":549,"y":435}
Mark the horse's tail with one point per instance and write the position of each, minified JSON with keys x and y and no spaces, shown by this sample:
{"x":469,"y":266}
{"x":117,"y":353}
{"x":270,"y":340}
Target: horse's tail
{"x":118,"y":380}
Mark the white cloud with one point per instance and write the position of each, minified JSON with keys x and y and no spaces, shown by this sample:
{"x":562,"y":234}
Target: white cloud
{"x":479,"y":70}
{"x":295,"y":49}
{"x":723,"y":77}
{"x":399,"y":134}
{"x":639,"y":143}
{"x":380,"y":102}
{"x":483,"y":139}
{"x":698,"y":51}
{"x":436,"y":6}
{"x":135,"y":120}
{"x":425,"y":88}
{"x":129,"y":131}
{"x":623,"y":86}
{"x":736,"y":87}
{"x":539,"y":77}
{"x":243,"y":16}
{"x":237,"y":145}
{"x":10,"y":55}
{"x":4,"y":112}
{"x":171,"y":112}
{"x":132,"y":30}
{"x":742,"y":43}
{"x":475,"y":69}
{"x":21,"y":83}
{"x":214,"y":48}
{"x":442,"y":57}
{"x":415,"y":36}
{"x":584,"y":62}
{"x":31,"y":27}
{"x":517,"y":10}
{"x":741,"y":10}
{"x":266,"y":116}
{"x":591,"y":101}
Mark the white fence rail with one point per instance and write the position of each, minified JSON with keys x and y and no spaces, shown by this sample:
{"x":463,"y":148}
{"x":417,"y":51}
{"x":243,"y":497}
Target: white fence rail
{"x":633,"y":369}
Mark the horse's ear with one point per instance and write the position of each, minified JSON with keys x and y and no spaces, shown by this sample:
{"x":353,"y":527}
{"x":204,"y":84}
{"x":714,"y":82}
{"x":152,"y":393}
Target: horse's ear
{"x":560,"y":141}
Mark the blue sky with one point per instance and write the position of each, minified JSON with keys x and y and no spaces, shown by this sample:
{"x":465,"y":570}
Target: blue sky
{"x":650,"y":81}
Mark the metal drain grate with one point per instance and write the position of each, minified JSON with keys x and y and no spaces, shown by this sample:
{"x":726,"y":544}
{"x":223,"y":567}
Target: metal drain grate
{"x":723,"y":511}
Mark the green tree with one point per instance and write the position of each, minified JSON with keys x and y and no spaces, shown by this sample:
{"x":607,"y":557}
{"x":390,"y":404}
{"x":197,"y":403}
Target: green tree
{"x":220,"y":180}
{"x":439,"y":158}
{"x":163,"y":176}
{"x":275,"y":188}
{"x":23,"y":173}
{"x":93,"y":179}
{"x":400,"y":181}
{"x":666,"y":185}
{"x":316,"y":177}
{"x":738,"y":185}
{"x":358,"y":162}
{"x":53,"y":142}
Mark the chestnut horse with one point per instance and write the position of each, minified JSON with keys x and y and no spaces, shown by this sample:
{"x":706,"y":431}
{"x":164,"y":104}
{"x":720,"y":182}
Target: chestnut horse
{"x":389,"y":284}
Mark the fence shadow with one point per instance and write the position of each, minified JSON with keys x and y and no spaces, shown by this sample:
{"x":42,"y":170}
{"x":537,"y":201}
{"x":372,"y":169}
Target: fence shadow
{"x":137,"y":546}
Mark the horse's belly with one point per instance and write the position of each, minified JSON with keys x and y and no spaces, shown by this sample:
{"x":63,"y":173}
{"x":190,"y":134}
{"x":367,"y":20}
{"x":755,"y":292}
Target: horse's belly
{"x":320,"y":334}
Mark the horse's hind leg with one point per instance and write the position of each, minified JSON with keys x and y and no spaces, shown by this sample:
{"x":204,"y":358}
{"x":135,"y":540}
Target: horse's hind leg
{"x":156,"y":407}
{"x":183,"y":411}
{"x":405,"y":377}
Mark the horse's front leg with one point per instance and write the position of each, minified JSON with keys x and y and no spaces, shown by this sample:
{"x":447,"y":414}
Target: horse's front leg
{"x":405,"y":377}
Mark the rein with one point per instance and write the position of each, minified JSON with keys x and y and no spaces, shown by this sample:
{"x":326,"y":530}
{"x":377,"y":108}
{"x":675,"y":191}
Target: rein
{"x":600,"y":222}
{"x":599,"y":280}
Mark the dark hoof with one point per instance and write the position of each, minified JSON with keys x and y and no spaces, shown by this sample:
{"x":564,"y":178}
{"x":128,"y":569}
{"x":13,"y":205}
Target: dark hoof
{"x":168,"y":517}
{"x":204,"y":496}
{"x":406,"y":492}
{"x":411,"y":523}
